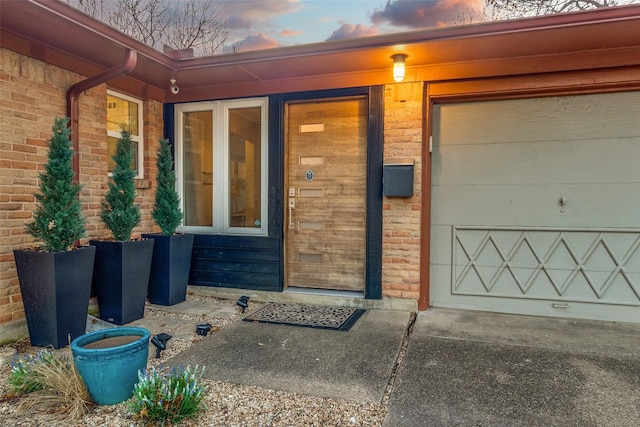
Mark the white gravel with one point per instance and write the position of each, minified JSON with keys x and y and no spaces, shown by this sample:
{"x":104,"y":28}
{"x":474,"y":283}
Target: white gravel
{"x":226,"y":404}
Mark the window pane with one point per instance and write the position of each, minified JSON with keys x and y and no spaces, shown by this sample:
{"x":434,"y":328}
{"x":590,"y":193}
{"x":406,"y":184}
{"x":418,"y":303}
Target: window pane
{"x":111,"y":150}
{"x":244,"y":167}
{"x":198,"y":168}
{"x":122,"y":114}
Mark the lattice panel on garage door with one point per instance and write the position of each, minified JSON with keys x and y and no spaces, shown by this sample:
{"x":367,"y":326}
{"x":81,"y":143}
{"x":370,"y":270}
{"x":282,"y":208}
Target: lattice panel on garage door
{"x":595,"y":266}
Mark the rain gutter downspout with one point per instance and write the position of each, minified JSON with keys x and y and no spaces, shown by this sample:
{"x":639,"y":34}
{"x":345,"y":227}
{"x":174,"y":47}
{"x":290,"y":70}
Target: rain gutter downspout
{"x":74,"y":93}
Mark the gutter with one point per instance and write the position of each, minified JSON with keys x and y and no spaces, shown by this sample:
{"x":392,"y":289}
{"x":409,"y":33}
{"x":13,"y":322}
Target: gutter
{"x":74,"y":93}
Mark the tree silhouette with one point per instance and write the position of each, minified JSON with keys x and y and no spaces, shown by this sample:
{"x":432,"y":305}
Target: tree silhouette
{"x":188,"y":24}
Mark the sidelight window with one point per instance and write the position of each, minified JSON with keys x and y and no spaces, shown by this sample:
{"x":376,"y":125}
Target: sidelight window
{"x":221,"y":153}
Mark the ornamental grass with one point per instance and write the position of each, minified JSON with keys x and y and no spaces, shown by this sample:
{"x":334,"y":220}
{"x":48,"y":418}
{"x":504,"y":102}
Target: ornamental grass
{"x":49,"y":383}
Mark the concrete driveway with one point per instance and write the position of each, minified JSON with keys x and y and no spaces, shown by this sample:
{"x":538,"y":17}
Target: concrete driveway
{"x":465,"y":368}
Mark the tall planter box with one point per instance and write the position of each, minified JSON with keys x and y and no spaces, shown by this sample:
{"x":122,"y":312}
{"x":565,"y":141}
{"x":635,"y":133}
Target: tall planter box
{"x":121,"y":278}
{"x":170,"y":268}
{"x":55,"y":289}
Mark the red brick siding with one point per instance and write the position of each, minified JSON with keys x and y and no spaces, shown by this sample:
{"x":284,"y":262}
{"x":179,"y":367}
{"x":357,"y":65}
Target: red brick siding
{"x":33,"y":93}
{"x":31,"y":96}
{"x":403,"y":117}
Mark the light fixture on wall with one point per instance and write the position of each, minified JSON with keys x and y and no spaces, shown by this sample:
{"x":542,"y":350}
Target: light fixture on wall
{"x":398,"y":66}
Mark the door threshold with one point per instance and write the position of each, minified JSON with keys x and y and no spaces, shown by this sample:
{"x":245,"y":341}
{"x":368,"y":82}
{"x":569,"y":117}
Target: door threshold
{"x":324,"y":292}
{"x":312,"y":296}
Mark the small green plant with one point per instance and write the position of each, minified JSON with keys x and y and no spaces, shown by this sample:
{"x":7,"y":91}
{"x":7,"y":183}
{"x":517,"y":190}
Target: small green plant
{"x":49,"y":383}
{"x":166,"y":208}
{"x":171,"y":398}
{"x":119,"y":211}
{"x":58,"y":221}
{"x":24,"y":377}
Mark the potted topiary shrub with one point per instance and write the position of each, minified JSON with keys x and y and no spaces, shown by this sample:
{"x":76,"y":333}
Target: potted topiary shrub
{"x":121,"y":271}
{"x":171,"y":252}
{"x":55,"y":279}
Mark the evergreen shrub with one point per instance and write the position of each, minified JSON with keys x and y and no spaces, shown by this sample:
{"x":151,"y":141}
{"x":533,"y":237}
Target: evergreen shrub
{"x":58,"y":220}
{"x":119,"y":211}
{"x":166,"y":208}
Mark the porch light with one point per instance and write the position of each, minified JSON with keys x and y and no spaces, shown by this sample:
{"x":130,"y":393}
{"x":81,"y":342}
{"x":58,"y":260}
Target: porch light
{"x":398,"y":66}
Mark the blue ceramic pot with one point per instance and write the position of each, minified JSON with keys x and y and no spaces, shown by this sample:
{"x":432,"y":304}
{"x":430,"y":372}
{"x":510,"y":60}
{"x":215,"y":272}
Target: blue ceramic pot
{"x":108,"y":361}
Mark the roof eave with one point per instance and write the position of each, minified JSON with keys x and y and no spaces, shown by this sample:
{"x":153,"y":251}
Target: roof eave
{"x":470,"y":51}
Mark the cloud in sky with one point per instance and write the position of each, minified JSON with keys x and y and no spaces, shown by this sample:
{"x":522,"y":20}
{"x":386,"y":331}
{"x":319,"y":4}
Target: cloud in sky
{"x":416,"y":14}
{"x":250,"y":22}
{"x":255,"y":42}
{"x":263,"y":24}
{"x":349,"y":31}
{"x":247,"y":14}
{"x":289,"y":33}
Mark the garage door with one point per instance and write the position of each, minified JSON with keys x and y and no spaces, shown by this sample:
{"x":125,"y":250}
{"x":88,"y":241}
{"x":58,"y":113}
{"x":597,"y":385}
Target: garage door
{"x":536,"y":206}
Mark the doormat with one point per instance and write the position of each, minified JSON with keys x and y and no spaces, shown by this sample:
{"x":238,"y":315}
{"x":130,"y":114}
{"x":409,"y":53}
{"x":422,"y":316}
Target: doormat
{"x":309,"y":316}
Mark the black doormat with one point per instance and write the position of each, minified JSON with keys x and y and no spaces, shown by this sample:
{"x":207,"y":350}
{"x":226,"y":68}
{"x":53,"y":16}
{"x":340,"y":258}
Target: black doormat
{"x":335,"y":318}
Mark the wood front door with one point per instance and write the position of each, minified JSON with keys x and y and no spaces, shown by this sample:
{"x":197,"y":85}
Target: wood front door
{"x":325,"y":193}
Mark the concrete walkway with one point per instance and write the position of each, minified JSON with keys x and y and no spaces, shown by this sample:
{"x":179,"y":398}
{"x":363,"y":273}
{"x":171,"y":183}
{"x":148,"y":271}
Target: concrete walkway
{"x":353,"y":365}
{"x":460,"y":368}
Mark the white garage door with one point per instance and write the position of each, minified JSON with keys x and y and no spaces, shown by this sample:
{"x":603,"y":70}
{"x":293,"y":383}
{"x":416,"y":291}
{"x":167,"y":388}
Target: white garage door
{"x":536,"y":206}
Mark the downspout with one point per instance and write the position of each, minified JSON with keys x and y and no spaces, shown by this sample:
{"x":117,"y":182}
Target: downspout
{"x":74,"y":93}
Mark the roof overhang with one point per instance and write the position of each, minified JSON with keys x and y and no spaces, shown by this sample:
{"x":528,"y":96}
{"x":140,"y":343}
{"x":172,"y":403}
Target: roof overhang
{"x":59,"y":34}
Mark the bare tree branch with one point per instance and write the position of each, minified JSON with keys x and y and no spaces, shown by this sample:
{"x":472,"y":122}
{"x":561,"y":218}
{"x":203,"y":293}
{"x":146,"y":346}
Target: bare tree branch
{"x":144,"y":20}
{"x":181,"y":25}
{"x":520,"y":8}
{"x":197,"y":25}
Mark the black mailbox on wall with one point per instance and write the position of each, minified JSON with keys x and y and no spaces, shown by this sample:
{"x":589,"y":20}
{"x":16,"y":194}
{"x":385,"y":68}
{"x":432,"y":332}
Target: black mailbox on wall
{"x":397,"y":179}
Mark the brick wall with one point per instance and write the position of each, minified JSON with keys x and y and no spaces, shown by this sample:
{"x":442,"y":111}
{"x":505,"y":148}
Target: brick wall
{"x":32,"y":94}
{"x":403,"y":115}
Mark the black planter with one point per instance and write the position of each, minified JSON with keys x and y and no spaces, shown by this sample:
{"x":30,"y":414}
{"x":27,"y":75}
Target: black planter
{"x":55,"y":288}
{"x":169,"y":268}
{"x":121,"y":279}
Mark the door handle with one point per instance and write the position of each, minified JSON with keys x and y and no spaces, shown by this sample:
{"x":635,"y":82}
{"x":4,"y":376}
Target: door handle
{"x":292,"y":206}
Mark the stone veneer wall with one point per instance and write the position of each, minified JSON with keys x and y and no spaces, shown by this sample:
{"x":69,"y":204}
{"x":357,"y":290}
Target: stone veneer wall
{"x":32,"y":94}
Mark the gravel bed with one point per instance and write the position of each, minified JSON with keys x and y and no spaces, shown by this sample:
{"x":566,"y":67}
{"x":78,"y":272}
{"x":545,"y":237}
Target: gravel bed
{"x":226,"y":404}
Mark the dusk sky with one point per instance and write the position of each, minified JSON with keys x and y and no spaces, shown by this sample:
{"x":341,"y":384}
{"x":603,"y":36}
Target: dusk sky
{"x":265,"y":24}
{"x":260,"y":24}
